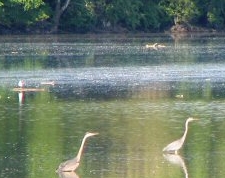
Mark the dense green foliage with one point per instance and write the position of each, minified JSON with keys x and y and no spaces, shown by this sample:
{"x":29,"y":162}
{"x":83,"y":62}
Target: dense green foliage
{"x":108,"y":15}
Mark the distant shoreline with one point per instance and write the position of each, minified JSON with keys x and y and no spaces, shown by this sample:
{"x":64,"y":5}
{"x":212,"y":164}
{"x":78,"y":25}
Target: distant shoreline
{"x":176,"y":29}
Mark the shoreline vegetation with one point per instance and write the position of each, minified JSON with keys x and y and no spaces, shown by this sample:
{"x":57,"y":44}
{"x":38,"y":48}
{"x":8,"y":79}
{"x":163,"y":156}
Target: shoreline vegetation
{"x":175,"y":29}
{"x":107,"y":16}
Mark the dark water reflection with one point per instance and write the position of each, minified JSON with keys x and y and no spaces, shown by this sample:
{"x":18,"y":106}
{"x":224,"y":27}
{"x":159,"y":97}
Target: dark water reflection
{"x":137,"y":99}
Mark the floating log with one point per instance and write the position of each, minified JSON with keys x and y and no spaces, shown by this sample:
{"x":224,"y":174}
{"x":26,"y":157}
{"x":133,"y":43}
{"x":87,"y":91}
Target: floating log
{"x":28,"y":89}
{"x":155,"y":46}
{"x":48,"y":83}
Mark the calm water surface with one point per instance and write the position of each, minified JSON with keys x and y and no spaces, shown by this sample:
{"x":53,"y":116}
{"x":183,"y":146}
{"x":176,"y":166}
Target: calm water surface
{"x":137,"y":99}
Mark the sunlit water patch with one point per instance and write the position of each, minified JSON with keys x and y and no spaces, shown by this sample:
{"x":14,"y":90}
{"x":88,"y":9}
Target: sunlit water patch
{"x":204,"y":80}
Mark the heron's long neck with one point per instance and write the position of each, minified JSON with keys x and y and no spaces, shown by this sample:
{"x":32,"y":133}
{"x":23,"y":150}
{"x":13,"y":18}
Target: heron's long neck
{"x":81,"y":148}
{"x":186,"y":130}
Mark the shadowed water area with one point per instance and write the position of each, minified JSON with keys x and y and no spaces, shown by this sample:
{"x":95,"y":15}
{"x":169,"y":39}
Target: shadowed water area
{"x":137,"y":98}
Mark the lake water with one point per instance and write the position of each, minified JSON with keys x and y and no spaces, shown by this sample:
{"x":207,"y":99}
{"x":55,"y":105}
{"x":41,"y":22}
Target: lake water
{"x":136,"y":98}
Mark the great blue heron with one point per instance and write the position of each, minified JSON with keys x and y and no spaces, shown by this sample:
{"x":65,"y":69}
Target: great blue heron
{"x":176,"y":145}
{"x":72,"y":164}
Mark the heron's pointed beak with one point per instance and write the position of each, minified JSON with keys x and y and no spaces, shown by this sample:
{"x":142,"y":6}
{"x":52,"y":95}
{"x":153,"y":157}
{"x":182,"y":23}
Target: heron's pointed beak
{"x":94,"y":133}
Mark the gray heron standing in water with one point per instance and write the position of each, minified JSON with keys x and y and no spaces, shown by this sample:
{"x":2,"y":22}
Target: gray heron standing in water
{"x":72,"y":164}
{"x":176,"y":145}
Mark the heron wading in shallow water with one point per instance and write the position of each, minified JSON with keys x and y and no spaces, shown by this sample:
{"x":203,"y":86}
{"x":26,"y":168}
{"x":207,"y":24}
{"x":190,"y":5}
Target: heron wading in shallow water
{"x":72,"y":164}
{"x":176,"y":145}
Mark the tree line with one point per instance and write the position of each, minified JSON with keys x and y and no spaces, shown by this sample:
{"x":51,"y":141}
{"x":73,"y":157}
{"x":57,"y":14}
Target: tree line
{"x":82,"y":16}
